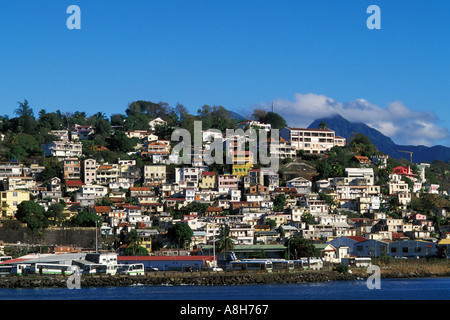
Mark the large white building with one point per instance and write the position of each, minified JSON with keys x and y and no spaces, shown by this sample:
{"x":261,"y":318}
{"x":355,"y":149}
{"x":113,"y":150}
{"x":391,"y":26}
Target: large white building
{"x":314,"y":141}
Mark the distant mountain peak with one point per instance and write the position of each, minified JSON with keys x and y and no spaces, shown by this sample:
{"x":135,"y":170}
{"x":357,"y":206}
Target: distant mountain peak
{"x":347,"y":129}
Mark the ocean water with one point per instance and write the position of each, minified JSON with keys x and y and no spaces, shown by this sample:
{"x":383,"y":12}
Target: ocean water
{"x":390,"y":289}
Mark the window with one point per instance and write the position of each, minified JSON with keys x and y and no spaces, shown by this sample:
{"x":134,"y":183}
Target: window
{"x":405,"y":250}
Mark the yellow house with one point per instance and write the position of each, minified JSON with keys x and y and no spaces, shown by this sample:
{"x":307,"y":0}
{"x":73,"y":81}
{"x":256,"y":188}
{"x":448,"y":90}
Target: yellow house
{"x":241,"y":170}
{"x":208,"y":180}
{"x":10,"y":200}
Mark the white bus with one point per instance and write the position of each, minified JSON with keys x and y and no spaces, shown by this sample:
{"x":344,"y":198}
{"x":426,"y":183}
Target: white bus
{"x":53,"y":268}
{"x":358,"y":262}
{"x":21,"y":269}
{"x":6,"y":270}
{"x":136,"y":269}
{"x":100,"y":269}
{"x":5,"y":258}
{"x":251,"y":265}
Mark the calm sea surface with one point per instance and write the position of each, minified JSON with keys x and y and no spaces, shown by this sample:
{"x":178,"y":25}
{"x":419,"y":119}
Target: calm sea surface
{"x":391,"y":289}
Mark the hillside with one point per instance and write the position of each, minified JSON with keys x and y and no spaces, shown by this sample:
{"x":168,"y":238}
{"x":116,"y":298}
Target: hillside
{"x":347,"y":129}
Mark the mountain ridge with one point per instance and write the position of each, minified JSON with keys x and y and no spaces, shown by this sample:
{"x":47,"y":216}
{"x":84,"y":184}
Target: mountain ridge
{"x":347,"y":129}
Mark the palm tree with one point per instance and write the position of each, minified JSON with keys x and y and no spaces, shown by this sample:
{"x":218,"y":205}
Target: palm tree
{"x":133,"y":240}
{"x":225,"y":241}
{"x":24,"y":109}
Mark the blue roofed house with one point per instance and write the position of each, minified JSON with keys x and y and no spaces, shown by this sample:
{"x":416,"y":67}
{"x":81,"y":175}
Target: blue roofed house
{"x":347,"y":241}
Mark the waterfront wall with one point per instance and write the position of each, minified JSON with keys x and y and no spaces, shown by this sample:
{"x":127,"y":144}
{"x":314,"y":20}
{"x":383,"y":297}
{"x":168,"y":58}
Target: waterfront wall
{"x":218,"y":278}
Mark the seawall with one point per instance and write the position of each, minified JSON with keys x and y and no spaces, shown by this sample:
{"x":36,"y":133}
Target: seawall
{"x":217,"y":278}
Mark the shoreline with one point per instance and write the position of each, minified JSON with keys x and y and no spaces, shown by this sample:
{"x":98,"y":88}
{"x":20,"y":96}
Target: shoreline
{"x":206,"y":278}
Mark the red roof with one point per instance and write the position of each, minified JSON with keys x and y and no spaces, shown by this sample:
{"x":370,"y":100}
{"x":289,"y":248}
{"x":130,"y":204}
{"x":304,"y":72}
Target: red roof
{"x":74,"y":183}
{"x":208,"y":173}
{"x":357,"y":238}
{"x":102,"y":209}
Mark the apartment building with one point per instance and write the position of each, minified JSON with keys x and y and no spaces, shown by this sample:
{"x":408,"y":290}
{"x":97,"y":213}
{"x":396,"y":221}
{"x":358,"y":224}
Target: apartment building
{"x":10,"y":169}
{"x":227,"y":182}
{"x":188,"y":177}
{"x":90,"y":171}
{"x":71,"y":169}
{"x":107,"y":173}
{"x":154,"y":175}
{"x":315,"y":141}
{"x":63,"y":149}
{"x":10,"y":200}
{"x":128,"y":171}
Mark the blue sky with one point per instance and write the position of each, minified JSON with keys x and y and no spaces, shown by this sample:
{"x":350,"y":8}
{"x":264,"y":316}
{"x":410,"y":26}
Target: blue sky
{"x":307,"y":57}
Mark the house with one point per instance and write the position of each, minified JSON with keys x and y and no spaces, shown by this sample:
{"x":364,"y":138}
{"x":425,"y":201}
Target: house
{"x":405,"y":171}
{"x":253,"y":124}
{"x":302,"y":185}
{"x":156,"y":122}
{"x":432,"y":188}
{"x":208,"y":180}
{"x":347,"y":241}
{"x":152,"y":207}
{"x":81,"y":132}
{"x":73,"y":185}
{"x":10,"y":199}
{"x":363,"y":161}
{"x":188,"y":176}
{"x":63,"y":149}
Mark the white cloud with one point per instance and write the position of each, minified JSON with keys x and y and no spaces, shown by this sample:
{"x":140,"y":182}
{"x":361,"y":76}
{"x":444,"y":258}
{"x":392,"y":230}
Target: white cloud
{"x":397,"y":121}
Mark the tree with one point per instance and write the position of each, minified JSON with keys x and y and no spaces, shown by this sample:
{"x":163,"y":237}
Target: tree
{"x":133,"y":241}
{"x":27,"y":122}
{"x":259,"y":115}
{"x":54,"y":213}
{"x":181,"y":233}
{"x":271,"y":223}
{"x":323,"y":125}
{"x":300,"y":247}
{"x":361,"y":145}
{"x":33,"y":215}
{"x":121,"y":143}
{"x":279,"y":202}
{"x":225,"y":241}
{"x":275,"y":120}
{"x":195,"y":206}
{"x":86,"y":219}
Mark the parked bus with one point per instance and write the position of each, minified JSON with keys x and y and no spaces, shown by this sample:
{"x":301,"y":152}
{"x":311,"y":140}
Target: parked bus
{"x":358,"y":262}
{"x":308,"y":263}
{"x":53,"y":268}
{"x":5,"y":270}
{"x":5,"y":258}
{"x":136,"y":269}
{"x":100,"y":269}
{"x":281,"y":264}
{"x":278,"y":264}
{"x":251,"y":265}
{"x":21,"y":269}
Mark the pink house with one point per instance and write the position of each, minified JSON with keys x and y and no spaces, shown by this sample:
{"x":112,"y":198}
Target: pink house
{"x":227,"y":182}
